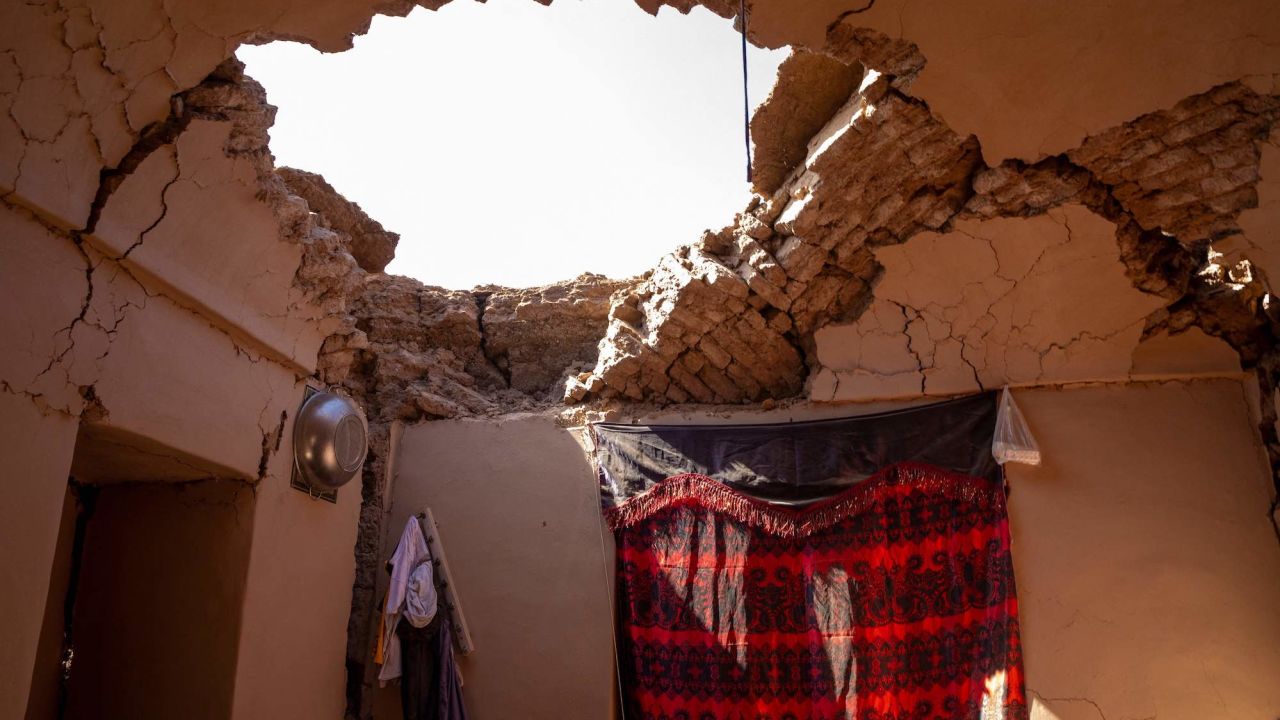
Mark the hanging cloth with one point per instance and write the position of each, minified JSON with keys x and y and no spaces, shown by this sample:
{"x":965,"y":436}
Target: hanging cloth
{"x":410,"y":552}
{"x":890,"y":598}
{"x":451,"y":707}
{"x":420,"y":596}
{"x":420,"y":670}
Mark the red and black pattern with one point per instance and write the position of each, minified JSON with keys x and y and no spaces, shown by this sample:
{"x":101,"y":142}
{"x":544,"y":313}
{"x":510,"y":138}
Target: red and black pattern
{"x":893,"y":600}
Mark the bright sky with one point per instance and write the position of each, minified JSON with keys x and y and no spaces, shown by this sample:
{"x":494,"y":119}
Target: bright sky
{"x":518,"y":144}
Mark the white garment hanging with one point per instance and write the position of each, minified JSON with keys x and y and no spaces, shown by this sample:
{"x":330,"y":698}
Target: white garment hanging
{"x":420,"y":599}
{"x":410,"y":552}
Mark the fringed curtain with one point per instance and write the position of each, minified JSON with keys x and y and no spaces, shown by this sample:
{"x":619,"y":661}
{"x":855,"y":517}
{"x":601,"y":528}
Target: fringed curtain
{"x":891,"y":598}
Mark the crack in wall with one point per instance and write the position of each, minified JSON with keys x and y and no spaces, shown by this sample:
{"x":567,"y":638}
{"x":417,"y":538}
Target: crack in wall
{"x":1155,"y":260}
{"x":271,"y":444}
{"x":732,"y":318}
{"x":498,"y":362}
{"x":1088,"y":701}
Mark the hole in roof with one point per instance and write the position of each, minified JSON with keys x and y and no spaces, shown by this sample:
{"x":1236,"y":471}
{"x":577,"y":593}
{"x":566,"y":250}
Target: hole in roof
{"x":516,"y":144}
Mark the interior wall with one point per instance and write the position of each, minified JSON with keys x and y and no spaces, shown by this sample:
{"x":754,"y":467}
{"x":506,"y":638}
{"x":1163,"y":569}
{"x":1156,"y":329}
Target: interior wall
{"x":158,"y":605}
{"x":37,"y":458}
{"x":293,"y":633}
{"x":519,"y":519}
{"x":1148,"y":570}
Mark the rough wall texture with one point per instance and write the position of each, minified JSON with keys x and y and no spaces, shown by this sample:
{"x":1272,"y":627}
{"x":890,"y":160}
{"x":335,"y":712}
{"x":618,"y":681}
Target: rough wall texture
{"x":809,"y":89}
{"x":881,"y":170}
{"x":428,"y":352}
{"x":997,"y":140}
{"x":534,"y":336}
{"x":144,"y":266}
{"x":370,"y":244}
{"x":425,"y":353}
{"x":886,"y":171}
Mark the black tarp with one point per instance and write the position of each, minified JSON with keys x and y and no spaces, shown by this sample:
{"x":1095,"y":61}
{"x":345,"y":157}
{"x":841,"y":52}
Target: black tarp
{"x":798,"y":462}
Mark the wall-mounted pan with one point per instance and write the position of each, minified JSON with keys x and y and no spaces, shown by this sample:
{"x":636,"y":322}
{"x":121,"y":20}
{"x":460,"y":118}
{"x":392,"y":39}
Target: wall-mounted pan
{"x":330,"y":440}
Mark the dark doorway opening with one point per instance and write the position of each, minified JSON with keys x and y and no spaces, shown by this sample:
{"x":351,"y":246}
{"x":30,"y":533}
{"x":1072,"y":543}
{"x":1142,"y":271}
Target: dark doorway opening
{"x":143,"y":612}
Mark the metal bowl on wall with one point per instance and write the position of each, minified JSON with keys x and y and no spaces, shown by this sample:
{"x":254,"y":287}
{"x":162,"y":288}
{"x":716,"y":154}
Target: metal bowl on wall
{"x":330,"y":440}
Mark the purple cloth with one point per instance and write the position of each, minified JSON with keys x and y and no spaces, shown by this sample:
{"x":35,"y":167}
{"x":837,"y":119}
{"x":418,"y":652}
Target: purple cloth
{"x":451,"y":707}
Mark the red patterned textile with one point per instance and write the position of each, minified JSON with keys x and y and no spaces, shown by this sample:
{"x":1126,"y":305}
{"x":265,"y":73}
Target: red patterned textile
{"x":892,"y":600}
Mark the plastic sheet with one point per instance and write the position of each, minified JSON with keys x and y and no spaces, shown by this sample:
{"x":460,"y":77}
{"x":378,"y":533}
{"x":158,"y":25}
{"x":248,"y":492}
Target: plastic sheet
{"x":798,"y":462}
{"x":1013,"y":441}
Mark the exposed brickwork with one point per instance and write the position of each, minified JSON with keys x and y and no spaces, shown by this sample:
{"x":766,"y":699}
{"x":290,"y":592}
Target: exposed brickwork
{"x":885,"y":169}
{"x":1189,"y":170}
{"x":809,"y":89}
{"x":731,"y":318}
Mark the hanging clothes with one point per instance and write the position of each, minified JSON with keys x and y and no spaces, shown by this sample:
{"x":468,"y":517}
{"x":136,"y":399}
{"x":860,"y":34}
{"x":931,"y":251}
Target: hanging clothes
{"x":411,"y":551}
{"x":420,"y":679}
{"x":420,"y":596}
{"x":451,"y":707}
{"x":884,"y":594}
{"x":415,"y":642}
{"x":431,"y":685}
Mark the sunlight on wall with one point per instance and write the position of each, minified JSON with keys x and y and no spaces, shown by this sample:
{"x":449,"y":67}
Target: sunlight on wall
{"x":1040,"y":712}
{"x":518,"y":144}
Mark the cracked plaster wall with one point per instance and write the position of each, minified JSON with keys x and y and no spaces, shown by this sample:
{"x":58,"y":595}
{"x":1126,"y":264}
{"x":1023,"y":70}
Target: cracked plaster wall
{"x":226,"y":307}
{"x":124,"y":132}
{"x":1031,"y":80}
{"x":84,"y":79}
{"x":1168,"y":188}
{"x":1034,"y":301}
{"x":170,"y":299}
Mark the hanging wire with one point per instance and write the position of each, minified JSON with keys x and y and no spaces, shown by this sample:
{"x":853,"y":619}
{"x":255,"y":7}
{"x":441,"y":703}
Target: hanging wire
{"x":746,"y":102}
